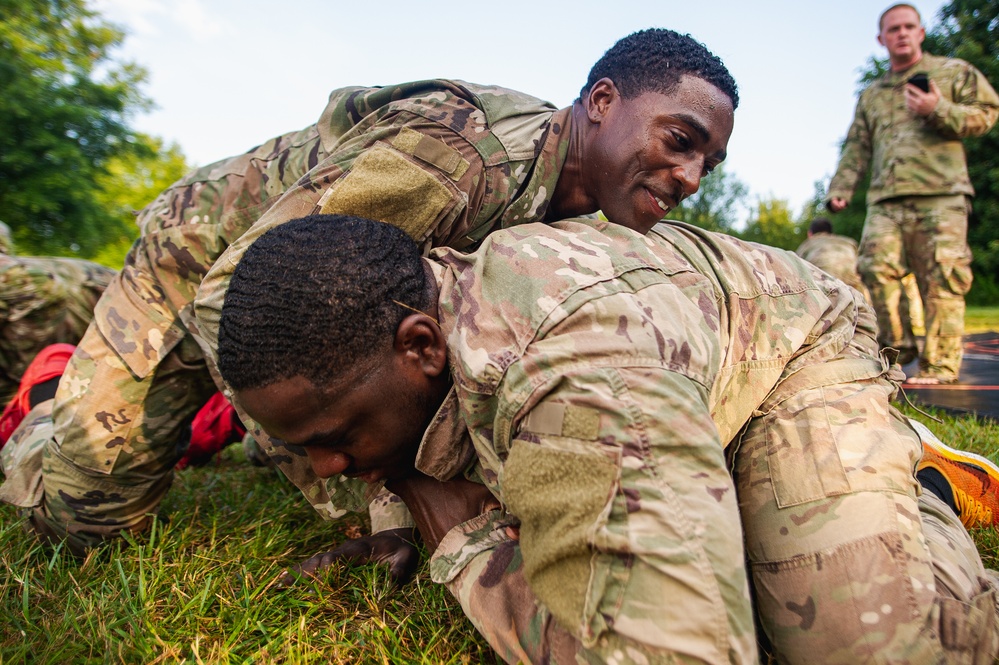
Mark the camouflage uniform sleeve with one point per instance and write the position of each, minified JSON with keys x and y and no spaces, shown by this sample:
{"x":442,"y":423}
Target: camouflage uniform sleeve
{"x":387,"y":511}
{"x":620,"y":483}
{"x":974,"y":108}
{"x":855,"y":157}
{"x":405,"y":170}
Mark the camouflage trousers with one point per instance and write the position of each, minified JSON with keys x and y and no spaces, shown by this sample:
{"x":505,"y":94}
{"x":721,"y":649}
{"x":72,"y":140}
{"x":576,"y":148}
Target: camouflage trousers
{"x":848,"y":557}
{"x":99,"y":459}
{"x":840,"y":565}
{"x":925,"y":235}
{"x":84,"y":494}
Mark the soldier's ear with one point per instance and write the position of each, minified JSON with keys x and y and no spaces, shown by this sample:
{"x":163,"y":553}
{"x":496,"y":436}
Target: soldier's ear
{"x":602,"y":95}
{"x":420,"y":343}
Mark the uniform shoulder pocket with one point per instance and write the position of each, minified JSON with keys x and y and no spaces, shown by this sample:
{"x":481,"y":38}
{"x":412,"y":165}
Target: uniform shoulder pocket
{"x":385,"y":185}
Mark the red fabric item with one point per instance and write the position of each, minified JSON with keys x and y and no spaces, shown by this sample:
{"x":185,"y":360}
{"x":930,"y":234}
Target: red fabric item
{"x":48,"y":364}
{"x":214,"y":427}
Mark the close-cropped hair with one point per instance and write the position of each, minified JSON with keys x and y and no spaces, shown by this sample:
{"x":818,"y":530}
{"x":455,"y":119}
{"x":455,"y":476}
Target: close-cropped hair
{"x":316,"y":297}
{"x":820,"y":225}
{"x":881,"y":19}
{"x":655,"y":60}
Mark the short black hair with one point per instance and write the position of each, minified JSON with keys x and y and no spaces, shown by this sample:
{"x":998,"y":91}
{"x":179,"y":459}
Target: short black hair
{"x":820,"y":225}
{"x":315,"y":297}
{"x":655,"y":60}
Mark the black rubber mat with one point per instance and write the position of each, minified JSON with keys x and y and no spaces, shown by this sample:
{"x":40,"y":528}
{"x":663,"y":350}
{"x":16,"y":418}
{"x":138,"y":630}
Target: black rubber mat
{"x":978,"y":390}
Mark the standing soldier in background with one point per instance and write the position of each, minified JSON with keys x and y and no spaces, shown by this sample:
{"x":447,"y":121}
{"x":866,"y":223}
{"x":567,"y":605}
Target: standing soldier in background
{"x":835,"y":254}
{"x":907,"y":129}
{"x":43,"y":301}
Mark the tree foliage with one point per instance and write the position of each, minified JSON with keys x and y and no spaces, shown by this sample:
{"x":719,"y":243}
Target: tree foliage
{"x":714,"y":205}
{"x":65,"y":105}
{"x":773,"y":224}
{"x":132,"y":180}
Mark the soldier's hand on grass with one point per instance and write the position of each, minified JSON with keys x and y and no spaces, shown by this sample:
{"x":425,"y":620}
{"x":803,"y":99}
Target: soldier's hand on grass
{"x":919,"y":102}
{"x":437,"y":507}
{"x":395,"y":548}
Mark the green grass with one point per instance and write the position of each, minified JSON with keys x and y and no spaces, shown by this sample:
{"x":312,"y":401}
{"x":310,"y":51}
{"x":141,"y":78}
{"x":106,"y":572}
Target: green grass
{"x":967,"y":432}
{"x":981,"y":319}
{"x":198,"y":589}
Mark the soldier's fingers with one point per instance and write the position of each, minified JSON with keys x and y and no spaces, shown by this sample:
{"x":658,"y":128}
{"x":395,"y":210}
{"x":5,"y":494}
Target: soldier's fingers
{"x":307,"y":570}
{"x":289,"y":578}
{"x":403,"y":564}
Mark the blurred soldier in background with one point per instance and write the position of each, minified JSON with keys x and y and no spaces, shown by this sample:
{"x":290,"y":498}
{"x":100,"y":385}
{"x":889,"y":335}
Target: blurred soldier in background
{"x":835,"y":254}
{"x":43,"y":301}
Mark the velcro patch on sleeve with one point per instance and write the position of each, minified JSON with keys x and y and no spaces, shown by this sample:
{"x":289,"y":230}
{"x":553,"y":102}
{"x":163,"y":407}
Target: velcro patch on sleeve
{"x":431,"y":151}
{"x":567,"y":420}
{"x":560,"y":498}
{"x":385,"y":186}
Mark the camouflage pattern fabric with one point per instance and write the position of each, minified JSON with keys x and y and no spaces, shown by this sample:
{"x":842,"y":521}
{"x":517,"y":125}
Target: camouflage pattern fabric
{"x":6,"y":242}
{"x":43,"y":300}
{"x":447,"y":161}
{"x":912,"y":158}
{"x":908,"y":155}
{"x":926,"y":235}
{"x":912,"y":303}
{"x":835,"y":254}
{"x":609,"y":382}
{"x":443,"y":159}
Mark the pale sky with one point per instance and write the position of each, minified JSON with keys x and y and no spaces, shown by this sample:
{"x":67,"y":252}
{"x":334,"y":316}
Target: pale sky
{"x":226,"y":75}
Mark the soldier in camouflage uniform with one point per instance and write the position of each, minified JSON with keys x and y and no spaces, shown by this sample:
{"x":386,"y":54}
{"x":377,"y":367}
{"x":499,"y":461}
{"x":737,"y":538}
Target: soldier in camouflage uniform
{"x":43,"y":300}
{"x":917,"y":204}
{"x":6,"y":243}
{"x":446,"y":161}
{"x":601,"y":384}
{"x":835,"y":254}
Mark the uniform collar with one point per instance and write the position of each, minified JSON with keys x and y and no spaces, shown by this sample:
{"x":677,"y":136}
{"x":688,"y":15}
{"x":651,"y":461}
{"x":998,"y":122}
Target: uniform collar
{"x":446,"y":449}
{"x":529,"y":207}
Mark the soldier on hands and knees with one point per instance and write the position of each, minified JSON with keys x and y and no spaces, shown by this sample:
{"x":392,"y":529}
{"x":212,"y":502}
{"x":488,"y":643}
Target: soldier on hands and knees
{"x":643,"y":415}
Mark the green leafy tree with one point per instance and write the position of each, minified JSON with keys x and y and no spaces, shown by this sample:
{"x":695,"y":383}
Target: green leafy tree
{"x":65,"y":104}
{"x":772,"y":224}
{"x":714,"y":206}
{"x":132,"y":180}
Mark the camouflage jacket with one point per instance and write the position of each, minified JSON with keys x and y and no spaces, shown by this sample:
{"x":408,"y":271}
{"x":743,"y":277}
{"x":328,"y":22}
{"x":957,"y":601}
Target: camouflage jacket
{"x":909,"y":155}
{"x":43,"y":300}
{"x":835,"y":254}
{"x":575,"y":346}
{"x":446,"y":161}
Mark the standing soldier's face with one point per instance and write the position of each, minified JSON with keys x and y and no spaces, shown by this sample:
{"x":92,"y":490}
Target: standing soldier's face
{"x":902,"y":34}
